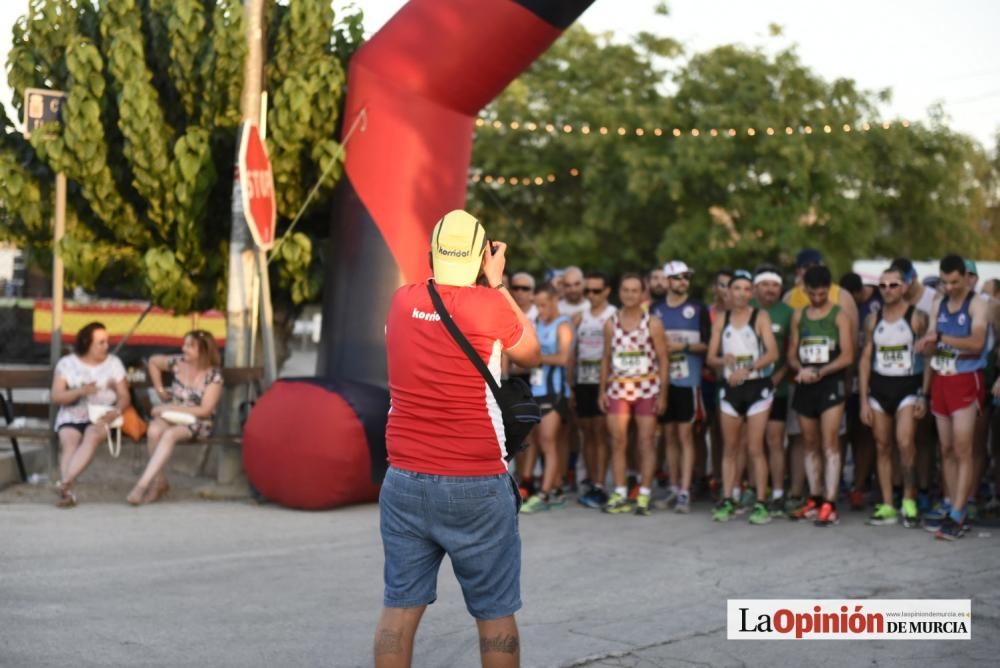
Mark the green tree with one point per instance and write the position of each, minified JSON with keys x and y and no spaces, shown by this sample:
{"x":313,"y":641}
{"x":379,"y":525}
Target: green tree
{"x":710,"y":198}
{"x":149,"y":137}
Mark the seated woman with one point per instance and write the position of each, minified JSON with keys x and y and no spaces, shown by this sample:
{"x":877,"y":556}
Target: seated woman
{"x":187,"y":409}
{"x":87,"y":377}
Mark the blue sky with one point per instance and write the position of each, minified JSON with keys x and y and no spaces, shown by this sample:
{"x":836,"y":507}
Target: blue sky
{"x":927,"y":51}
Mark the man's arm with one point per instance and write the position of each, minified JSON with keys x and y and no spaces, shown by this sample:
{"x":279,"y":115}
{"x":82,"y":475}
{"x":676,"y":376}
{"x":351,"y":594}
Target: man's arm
{"x":977,"y":337}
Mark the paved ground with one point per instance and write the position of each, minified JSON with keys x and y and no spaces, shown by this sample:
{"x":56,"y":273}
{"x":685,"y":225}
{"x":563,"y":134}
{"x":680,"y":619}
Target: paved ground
{"x":195,"y":583}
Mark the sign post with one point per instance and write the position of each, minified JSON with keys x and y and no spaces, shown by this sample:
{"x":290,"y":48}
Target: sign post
{"x":260,"y":210}
{"x":43,"y":106}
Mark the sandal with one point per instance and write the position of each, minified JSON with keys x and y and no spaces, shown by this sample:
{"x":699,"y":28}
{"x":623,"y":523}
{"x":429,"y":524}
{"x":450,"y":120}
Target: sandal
{"x":67,"y":499}
{"x":156,"y":491}
{"x":137,"y":496}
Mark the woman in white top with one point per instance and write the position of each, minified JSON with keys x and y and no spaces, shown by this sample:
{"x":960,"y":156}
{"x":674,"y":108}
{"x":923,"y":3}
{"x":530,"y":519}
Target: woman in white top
{"x":87,"y":377}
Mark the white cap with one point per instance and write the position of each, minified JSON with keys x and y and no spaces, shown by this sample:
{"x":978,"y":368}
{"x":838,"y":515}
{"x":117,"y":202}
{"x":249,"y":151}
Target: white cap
{"x":676,"y":268}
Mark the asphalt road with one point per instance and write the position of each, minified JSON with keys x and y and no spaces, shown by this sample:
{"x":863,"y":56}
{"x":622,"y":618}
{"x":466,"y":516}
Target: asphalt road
{"x":194,"y":583}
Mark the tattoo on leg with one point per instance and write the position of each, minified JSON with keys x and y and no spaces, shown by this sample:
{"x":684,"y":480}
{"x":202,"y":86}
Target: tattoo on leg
{"x":388,"y":641}
{"x":506,"y":644}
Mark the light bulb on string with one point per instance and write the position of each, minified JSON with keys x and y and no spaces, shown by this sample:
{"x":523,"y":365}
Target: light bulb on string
{"x":847,"y":127}
{"x":789,"y":130}
{"x":808,"y":130}
{"x":574,"y":172}
{"x":567,"y":128}
{"x":695,"y":132}
{"x":770,"y":132}
{"x":658,"y":132}
{"x":639,"y":132}
{"x":713,"y":132}
{"x":827,"y":129}
{"x":677,"y":132}
{"x":732,"y":132}
{"x":751,"y":132}
{"x":514,"y":125}
{"x":621,"y":131}
{"x":549,"y":127}
{"x":604,"y":130}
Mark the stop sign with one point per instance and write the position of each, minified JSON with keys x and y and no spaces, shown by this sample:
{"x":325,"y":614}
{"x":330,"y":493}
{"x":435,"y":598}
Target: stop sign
{"x":257,"y":187}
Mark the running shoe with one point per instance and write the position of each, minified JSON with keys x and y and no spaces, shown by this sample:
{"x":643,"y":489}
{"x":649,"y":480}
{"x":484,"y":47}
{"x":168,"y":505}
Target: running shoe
{"x":591,"y":499}
{"x":642,"y":505}
{"x":777,"y":508}
{"x":557,"y":499}
{"x":534,"y":504}
{"x":760,"y":514}
{"x":923,"y":502}
{"x":939,"y":512}
{"x":950,"y":529}
{"x":617,"y":504}
{"x":724,"y":511}
{"x":934,"y":518}
{"x":856,"y":499}
{"x":793,"y":503}
{"x":683,"y":505}
{"x":911,"y":516}
{"x":827,"y":515}
{"x":884,"y":515}
{"x":807,"y":511}
{"x":747,"y":501}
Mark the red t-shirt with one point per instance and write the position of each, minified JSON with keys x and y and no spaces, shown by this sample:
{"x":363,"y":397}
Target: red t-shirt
{"x":443,"y":418}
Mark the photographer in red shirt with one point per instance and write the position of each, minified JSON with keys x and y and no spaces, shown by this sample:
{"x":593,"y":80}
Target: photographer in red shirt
{"x":447,"y":490}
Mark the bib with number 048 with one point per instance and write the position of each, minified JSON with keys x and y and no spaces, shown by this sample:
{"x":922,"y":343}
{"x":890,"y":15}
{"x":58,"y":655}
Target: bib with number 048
{"x":814,"y":350}
{"x":945,"y":361}
{"x":679,"y":366}
{"x":631,"y":363}
{"x":588,"y":372}
{"x":894,"y":358}
{"x":538,"y":377}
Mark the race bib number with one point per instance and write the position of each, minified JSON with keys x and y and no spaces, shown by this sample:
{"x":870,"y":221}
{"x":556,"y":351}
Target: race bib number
{"x":945,"y":361}
{"x":538,"y":377}
{"x":742,"y":362}
{"x":814,"y":350}
{"x":588,"y":372}
{"x":679,"y":366}
{"x":631,"y":363}
{"x":895,"y":358}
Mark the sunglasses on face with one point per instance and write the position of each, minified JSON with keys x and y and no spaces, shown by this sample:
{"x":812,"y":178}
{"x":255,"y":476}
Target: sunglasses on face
{"x":888,"y":286}
{"x":522,"y":288}
{"x":593,"y":291}
{"x":680,"y":277}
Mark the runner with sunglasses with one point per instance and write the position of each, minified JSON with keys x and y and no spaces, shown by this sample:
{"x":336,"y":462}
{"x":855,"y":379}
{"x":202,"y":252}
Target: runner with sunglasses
{"x":893,"y":385}
{"x":589,"y":351}
{"x":688,"y":329}
{"x":522,"y":289}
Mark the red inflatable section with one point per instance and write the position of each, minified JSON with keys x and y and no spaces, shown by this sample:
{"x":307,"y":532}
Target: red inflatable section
{"x":304,"y":447}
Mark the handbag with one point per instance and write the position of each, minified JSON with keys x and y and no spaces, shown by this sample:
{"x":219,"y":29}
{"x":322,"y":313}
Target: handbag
{"x":133,"y":425}
{"x":179,"y":417}
{"x":513,"y":396}
{"x":95,"y":412}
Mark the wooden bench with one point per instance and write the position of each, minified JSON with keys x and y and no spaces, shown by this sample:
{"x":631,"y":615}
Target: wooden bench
{"x":245,"y":379}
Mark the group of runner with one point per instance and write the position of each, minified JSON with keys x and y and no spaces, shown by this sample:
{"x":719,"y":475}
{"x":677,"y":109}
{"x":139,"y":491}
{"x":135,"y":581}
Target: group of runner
{"x":780,"y":379}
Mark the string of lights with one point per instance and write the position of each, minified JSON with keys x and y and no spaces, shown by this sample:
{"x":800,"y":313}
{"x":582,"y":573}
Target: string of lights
{"x":493,"y":179}
{"x":622,"y":131}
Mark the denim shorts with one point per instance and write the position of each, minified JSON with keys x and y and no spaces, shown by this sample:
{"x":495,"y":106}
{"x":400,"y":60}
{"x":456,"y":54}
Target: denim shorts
{"x":472,"y":519}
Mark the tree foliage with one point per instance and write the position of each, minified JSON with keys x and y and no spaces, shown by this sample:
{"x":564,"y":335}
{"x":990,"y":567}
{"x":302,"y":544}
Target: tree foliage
{"x":149,"y":132}
{"x":718,"y":200}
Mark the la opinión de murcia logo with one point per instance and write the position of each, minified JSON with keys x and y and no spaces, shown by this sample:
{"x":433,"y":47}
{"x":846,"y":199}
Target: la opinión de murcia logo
{"x":876,"y":619}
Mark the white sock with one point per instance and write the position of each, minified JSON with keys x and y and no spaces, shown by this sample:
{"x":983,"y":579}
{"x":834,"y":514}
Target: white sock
{"x":778,"y":494}
{"x":736,"y":493}
{"x":621,"y":491}
{"x":675,"y":489}
{"x":643,"y":491}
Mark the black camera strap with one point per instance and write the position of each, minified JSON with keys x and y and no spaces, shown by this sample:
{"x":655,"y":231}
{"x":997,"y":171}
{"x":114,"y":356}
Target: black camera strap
{"x":462,"y":342}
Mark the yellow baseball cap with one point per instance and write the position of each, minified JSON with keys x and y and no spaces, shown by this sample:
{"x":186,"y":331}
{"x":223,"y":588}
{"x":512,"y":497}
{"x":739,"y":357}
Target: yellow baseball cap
{"x":457,"y":245}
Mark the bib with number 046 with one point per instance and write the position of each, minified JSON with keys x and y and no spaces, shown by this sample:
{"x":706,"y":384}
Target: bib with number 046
{"x":538,"y":377}
{"x":631,"y":363}
{"x":814,"y":350}
{"x":679,"y":366}
{"x":945,"y":361}
{"x":894,"y":358}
